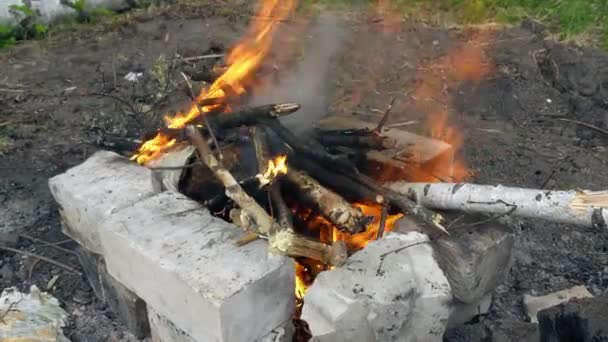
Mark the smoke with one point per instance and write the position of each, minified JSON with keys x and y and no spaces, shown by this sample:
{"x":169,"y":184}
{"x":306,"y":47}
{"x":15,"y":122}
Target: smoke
{"x":308,"y":83}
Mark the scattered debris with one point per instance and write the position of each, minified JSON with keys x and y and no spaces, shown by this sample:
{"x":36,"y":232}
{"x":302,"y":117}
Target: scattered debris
{"x":35,"y":316}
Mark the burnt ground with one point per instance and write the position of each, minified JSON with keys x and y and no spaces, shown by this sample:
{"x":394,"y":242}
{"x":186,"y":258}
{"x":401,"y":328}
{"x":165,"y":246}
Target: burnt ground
{"x":511,"y":116}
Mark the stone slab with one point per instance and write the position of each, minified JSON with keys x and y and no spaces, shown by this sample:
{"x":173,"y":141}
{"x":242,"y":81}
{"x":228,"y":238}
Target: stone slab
{"x":129,"y":308}
{"x":534,"y":304}
{"x":163,"y":330}
{"x":392,"y":290}
{"x":475,"y":257}
{"x":91,"y":192}
{"x":462,"y":313}
{"x":184,"y":263}
{"x":584,"y":320}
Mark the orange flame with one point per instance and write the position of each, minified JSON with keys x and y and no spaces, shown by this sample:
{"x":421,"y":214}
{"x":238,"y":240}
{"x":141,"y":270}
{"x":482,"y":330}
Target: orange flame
{"x":276,"y":167}
{"x":243,"y":61}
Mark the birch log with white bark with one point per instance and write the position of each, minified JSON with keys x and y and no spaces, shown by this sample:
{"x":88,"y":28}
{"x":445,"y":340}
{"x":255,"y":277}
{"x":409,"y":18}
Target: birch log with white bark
{"x":578,"y":207}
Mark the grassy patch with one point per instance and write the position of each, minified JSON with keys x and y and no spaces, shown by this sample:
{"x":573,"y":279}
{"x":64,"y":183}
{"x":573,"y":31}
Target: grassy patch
{"x":568,"y":18}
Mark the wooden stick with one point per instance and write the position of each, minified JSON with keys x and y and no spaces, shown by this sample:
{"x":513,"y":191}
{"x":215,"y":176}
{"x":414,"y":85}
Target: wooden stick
{"x":289,"y":243}
{"x":578,"y":207}
{"x":263,"y":222}
{"x":252,"y":115}
{"x":43,"y":258}
{"x":331,"y":205}
{"x":283,"y":213}
{"x":382,"y":226}
{"x":384,"y":119}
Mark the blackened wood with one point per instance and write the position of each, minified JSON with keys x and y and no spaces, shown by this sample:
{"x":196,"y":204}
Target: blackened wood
{"x":118,"y":143}
{"x":264,"y":224}
{"x":252,"y":115}
{"x":224,"y":121}
{"x":310,"y":148}
{"x":282,"y":211}
{"x":371,"y":141}
{"x":200,"y":184}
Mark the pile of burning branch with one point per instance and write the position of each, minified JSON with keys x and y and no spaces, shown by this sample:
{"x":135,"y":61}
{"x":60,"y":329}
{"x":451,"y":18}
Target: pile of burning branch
{"x":252,"y":170}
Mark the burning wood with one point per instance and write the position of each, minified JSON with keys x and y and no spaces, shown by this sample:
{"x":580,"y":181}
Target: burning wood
{"x":254,"y":217}
{"x":578,"y":207}
{"x":331,"y":205}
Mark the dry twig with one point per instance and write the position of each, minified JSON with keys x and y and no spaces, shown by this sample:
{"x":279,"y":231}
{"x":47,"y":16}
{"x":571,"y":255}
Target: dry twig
{"x":43,"y":258}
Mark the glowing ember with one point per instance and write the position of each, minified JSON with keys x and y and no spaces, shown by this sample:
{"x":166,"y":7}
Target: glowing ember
{"x":276,"y":167}
{"x":301,"y":284}
{"x":243,"y":61}
{"x":331,"y":234}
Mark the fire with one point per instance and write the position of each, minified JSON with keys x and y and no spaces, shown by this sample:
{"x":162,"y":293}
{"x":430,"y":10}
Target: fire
{"x":360,"y":240}
{"x":328,"y":233}
{"x":276,"y":167}
{"x":244,"y":59}
{"x":301,"y":284}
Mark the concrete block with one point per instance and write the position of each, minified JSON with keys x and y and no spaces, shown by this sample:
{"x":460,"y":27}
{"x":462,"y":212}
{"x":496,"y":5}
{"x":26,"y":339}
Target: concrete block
{"x":91,"y":192}
{"x":462,"y":313}
{"x":510,"y":330}
{"x":163,"y":330}
{"x":184,"y":263}
{"x":475,"y":258}
{"x":534,"y":304}
{"x":584,"y":320}
{"x":393,"y":290}
{"x":129,"y":308}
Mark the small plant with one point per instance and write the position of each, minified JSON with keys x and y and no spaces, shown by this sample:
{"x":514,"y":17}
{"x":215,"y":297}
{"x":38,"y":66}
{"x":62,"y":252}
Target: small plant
{"x":27,"y":27}
{"x":7,"y":36}
{"x":84,"y":14}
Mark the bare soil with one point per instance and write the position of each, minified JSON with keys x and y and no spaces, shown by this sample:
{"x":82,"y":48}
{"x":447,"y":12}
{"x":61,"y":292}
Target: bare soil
{"x":51,"y":117}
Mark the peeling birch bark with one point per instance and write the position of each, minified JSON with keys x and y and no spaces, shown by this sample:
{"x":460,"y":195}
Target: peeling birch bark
{"x":578,"y":207}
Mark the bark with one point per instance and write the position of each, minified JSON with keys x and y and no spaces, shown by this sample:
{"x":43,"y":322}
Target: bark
{"x":331,"y":205}
{"x":578,"y":207}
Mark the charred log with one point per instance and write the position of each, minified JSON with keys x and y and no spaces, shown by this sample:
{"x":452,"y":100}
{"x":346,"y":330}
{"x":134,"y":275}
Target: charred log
{"x":282,"y":212}
{"x":348,"y":187}
{"x":309,"y":148}
{"x":251,"y":116}
{"x":370,"y":141}
{"x":331,"y":205}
